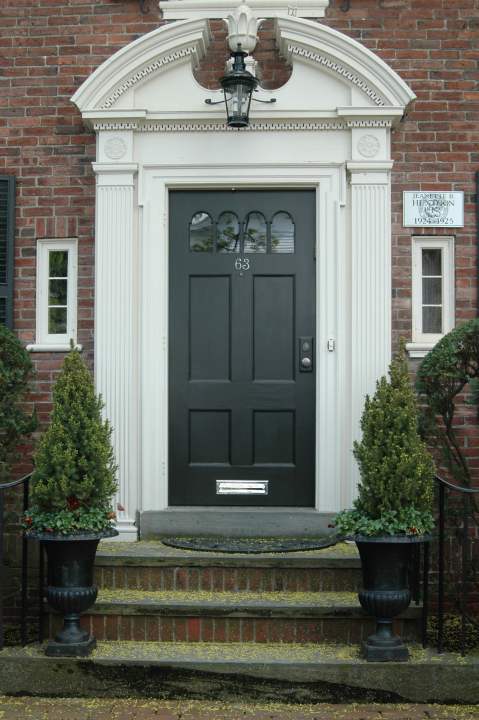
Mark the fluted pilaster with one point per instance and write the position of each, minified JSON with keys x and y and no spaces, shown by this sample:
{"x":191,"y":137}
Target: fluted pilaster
{"x":371,"y":285}
{"x":116,"y":340}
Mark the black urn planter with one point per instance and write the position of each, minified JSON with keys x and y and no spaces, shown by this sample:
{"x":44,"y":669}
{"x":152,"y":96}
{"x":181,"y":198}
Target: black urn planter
{"x":70,"y":589}
{"x":385,"y":593}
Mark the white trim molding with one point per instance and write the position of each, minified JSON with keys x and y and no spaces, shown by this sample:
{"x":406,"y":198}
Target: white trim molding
{"x":39,"y":347}
{"x":219,"y":9}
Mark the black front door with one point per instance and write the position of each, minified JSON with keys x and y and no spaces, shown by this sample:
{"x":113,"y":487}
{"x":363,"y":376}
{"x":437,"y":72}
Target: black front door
{"x":242,"y":324}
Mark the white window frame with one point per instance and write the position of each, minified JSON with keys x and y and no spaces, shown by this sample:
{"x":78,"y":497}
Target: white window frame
{"x":45,"y":341}
{"x":423,"y":342}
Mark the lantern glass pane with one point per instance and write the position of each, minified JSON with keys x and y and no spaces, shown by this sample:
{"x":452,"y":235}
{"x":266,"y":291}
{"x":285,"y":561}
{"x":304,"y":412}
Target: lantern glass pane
{"x":237,"y":103}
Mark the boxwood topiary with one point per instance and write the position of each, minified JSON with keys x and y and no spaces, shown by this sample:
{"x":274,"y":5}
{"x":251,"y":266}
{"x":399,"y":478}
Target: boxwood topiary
{"x":396,"y":487}
{"x":74,"y":478}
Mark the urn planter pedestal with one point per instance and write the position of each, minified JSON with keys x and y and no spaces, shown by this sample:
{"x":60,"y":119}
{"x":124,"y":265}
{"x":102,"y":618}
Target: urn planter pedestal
{"x":385,"y":593}
{"x":70,"y":589}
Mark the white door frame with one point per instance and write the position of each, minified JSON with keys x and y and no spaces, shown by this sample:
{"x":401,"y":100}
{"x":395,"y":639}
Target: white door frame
{"x":328,"y":182}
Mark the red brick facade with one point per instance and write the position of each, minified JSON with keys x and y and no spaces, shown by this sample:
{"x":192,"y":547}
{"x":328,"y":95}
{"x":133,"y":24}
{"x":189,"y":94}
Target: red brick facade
{"x":49,"y":47}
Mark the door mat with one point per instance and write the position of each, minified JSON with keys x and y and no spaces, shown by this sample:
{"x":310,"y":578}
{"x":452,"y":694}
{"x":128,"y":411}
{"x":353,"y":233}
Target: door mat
{"x":251,"y":545}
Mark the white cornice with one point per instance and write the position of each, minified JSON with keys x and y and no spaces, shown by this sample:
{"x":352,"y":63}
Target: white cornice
{"x":115,"y":97}
{"x":211,"y":9}
{"x":184,"y":41}
{"x":342,"y":55}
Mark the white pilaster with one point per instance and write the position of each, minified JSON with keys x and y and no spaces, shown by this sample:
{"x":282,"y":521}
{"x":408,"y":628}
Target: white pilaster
{"x":371,"y":286}
{"x":116,"y":307}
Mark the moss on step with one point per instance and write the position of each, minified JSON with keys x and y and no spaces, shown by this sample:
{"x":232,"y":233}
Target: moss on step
{"x":203,"y":597}
{"x":241,"y":652}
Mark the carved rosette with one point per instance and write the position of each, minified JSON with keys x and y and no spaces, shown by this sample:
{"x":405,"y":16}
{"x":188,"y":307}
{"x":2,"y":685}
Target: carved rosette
{"x":115,"y":148}
{"x":368,"y":146}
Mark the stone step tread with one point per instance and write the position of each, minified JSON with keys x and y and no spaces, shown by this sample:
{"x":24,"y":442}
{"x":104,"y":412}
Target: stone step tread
{"x":184,"y":653}
{"x":172,"y":602}
{"x":219,"y":671}
{"x":154,"y":552}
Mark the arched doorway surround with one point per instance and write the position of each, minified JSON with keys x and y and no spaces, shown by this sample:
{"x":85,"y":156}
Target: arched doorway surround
{"x":328,"y":130}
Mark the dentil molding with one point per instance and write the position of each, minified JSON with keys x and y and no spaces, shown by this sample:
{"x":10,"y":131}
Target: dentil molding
{"x":255,"y":126}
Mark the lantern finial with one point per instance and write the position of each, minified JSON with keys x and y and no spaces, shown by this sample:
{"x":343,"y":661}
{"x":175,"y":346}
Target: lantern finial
{"x":242,"y":29}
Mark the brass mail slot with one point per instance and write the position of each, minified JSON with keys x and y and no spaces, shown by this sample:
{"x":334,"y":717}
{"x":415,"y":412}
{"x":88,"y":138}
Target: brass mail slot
{"x":242,"y":487}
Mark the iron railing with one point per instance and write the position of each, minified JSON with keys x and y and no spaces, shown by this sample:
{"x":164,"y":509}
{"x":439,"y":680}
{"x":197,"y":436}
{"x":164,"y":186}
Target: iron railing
{"x":25,"y":481}
{"x":466,"y":563}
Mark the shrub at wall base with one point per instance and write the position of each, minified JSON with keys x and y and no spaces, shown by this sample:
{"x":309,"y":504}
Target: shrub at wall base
{"x":15,"y":424}
{"x":72,"y":489}
{"x":393,"y":510}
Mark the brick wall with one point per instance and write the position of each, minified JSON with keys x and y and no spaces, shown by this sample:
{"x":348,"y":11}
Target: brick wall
{"x":49,"y":47}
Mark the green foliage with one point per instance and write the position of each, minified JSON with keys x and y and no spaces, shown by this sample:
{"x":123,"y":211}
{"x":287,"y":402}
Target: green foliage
{"x":396,"y":488}
{"x":15,"y":423}
{"x":447,"y":377}
{"x":69,"y":522}
{"x":407,"y":521}
{"x":74,"y":478}
{"x":451,"y":368}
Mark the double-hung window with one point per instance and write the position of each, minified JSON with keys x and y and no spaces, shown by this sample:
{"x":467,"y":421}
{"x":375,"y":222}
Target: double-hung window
{"x":432,"y":291}
{"x":56,"y":294}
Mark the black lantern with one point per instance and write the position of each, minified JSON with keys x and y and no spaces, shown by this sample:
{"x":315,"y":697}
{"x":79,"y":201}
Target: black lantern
{"x":238,"y":85}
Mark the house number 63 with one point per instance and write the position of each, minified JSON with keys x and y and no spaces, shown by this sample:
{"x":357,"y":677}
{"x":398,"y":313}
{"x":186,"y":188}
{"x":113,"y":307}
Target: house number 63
{"x":242,"y":264}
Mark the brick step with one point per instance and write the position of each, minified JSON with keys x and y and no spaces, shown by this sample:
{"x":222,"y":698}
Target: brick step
{"x":223,"y":671}
{"x":233,"y":617}
{"x":155,"y":566}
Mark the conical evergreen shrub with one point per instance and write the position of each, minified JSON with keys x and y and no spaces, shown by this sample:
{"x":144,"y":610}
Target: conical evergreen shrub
{"x":74,"y":478}
{"x":396,"y":487}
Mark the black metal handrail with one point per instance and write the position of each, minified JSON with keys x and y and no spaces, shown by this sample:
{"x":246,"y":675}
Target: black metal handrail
{"x":466,"y":492}
{"x":25,"y":481}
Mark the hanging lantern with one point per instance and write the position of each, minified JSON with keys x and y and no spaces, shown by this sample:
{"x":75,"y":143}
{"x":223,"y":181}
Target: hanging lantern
{"x":238,"y":85}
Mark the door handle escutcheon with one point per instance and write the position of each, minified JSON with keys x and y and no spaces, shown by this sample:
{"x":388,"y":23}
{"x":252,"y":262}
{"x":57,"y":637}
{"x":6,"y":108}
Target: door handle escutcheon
{"x":305,"y":354}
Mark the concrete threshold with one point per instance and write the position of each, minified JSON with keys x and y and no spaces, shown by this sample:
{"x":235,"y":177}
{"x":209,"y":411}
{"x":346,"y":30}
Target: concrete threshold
{"x":235,"y":522}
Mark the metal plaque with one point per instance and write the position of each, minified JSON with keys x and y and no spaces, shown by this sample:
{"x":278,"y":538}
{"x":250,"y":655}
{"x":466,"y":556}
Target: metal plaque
{"x":433,"y":209}
{"x":242,"y":487}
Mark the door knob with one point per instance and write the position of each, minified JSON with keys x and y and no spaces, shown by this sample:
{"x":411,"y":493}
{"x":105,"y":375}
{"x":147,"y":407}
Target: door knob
{"x":306,"y":362}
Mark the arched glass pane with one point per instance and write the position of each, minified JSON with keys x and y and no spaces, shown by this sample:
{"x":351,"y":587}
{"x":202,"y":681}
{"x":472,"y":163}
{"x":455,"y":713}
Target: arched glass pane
{"x":228,"y":233}
{"x":255,"y":233}
{"x":201,"y":233}
{"x":282,"y":233}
